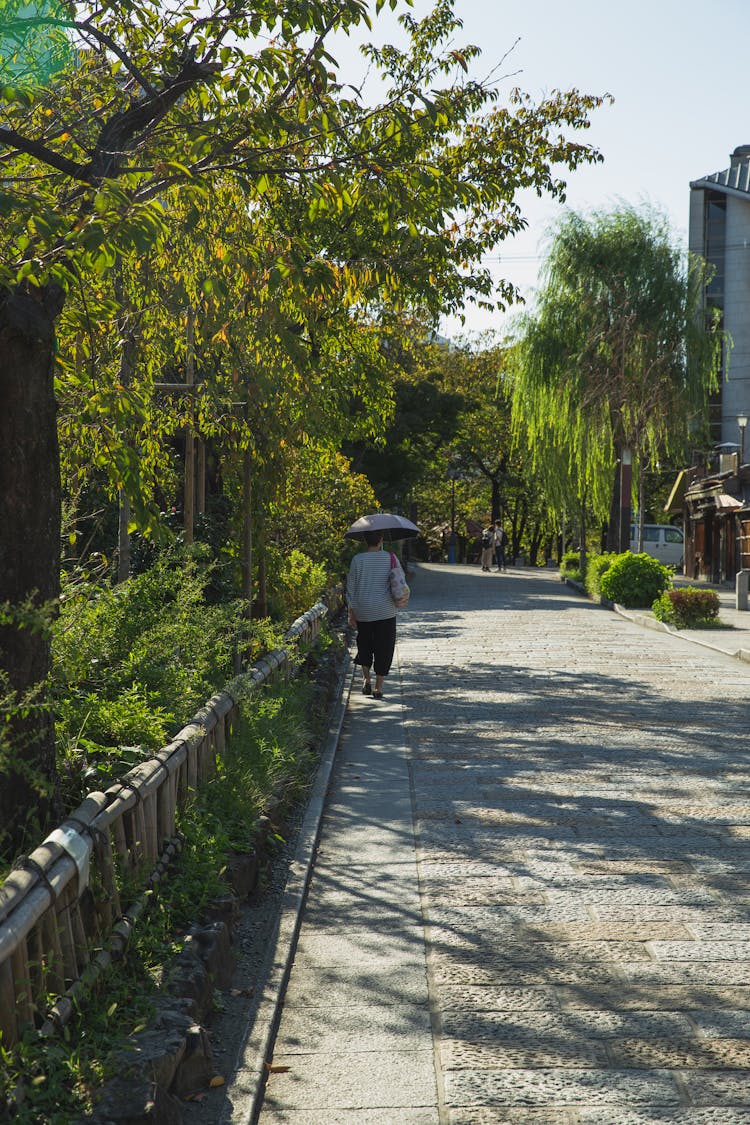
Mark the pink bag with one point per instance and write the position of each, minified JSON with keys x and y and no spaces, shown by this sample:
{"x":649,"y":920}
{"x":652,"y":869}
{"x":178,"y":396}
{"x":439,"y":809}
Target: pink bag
{"x":399,"y":589}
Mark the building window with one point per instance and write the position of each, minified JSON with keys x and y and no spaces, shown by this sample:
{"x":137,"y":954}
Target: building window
{"x":714,"y":242}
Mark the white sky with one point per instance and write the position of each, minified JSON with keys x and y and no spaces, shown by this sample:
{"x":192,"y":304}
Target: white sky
{"x":676,"y":68}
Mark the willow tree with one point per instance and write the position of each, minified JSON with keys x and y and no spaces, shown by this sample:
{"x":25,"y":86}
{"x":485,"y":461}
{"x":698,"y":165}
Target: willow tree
{"x":617,"y":360}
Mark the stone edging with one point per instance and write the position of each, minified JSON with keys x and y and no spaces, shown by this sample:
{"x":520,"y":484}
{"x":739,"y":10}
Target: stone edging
{"x":647,"y":622}
{"x":248,"y":1081}
{"x":173,"y":1058}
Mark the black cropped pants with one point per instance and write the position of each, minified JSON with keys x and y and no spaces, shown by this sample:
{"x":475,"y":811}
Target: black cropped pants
{"x":376,"y":642}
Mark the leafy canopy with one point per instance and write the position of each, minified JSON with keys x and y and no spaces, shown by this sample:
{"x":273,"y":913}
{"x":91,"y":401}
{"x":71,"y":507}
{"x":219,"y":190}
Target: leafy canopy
{"x":616,"y":353}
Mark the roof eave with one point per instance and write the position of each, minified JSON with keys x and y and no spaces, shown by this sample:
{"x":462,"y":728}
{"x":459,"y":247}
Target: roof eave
{"x":712,"y":185}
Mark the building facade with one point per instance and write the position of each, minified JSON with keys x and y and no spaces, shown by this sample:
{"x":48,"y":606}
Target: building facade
{"x":720,"y":232}
{"x":715,"y":495}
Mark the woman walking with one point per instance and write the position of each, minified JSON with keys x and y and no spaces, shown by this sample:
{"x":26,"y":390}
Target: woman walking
{"x":372,"y":612}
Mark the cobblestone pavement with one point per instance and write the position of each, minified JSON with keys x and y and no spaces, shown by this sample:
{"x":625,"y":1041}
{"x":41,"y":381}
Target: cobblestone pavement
{"x":532,"y":896}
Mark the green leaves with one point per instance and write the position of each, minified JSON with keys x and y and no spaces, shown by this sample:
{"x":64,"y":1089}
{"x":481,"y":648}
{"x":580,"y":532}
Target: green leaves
{"x":616,"y":353}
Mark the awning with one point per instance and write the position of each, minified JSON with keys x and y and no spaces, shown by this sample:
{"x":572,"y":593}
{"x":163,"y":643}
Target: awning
{"x":710,"y":498}
{"x":676,"y":499}
{"x":724,"y":500}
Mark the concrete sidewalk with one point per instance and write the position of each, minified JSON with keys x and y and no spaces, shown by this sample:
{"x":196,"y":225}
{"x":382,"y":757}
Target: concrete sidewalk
{"x":356,"y":1033}
{"x":531,"y":900}
{"x":733,"y":639}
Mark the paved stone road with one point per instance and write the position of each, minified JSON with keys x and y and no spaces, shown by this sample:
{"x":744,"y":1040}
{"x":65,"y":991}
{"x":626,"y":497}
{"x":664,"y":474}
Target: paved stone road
{"x":532,"y":896}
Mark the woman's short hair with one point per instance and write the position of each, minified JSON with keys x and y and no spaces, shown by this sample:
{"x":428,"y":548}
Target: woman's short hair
{"x":372,"y":538}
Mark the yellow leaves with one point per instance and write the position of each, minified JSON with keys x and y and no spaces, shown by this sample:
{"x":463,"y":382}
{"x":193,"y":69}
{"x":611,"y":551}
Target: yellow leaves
{"x":216,"y":1081}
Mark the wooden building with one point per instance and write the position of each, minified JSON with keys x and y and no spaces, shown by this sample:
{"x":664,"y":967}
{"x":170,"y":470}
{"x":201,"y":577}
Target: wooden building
{"x":714,"y":500}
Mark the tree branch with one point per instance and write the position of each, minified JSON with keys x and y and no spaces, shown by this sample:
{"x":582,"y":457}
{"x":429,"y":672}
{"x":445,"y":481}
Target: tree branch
{"x":117,"y":136}
{"x":41,"y":152}
{"x":108,"y":41}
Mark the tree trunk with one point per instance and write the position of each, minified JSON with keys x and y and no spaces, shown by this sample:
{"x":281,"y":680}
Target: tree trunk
{"x":584,"y":532}
{"x":496,"y":505}
{"x":535,"y":540}
{"x":29,"y":555}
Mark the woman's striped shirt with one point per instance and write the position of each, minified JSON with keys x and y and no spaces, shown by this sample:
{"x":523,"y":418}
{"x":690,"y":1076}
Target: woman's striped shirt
{"x":368,"y":587}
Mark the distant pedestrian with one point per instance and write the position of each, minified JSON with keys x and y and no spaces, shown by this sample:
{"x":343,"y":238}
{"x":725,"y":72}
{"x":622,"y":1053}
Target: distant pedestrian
{"x":501,"y":542}
{"x":372,"y":612}
{"x":488,"y":547}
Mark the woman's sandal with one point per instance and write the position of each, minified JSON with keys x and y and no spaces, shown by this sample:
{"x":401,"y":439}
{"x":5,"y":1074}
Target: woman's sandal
{"x":377,"y":695}
{"x":367,"y":688}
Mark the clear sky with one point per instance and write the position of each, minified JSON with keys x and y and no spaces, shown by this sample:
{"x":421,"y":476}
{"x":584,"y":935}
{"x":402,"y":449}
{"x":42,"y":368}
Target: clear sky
{"x":678,"y":70}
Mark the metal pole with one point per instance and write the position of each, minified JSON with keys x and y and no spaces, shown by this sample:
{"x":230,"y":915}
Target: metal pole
{"x":626,"y":484}
{"x":742,"y":423}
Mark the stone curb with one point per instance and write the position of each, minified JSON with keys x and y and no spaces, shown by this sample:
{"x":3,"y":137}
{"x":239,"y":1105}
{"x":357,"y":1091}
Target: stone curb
{"x":248,"y":1081}
{"x":647,"y":622}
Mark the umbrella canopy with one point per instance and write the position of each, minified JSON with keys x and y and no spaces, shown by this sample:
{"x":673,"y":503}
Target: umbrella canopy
{"x":393,"y":527}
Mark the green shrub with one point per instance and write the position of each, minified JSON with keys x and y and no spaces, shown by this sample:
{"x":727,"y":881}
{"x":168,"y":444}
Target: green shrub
{"x":635,"y":580}
{"x":155,"y":630}
{"x":687,"y":607}
{"x":597,"y":566}
{"x":132,"y":663}
{"x":295,"y":583}
{"x":571,"y":561}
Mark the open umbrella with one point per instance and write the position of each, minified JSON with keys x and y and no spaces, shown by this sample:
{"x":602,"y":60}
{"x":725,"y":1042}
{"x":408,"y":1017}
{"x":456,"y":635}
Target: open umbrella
{"x":393,"y":527}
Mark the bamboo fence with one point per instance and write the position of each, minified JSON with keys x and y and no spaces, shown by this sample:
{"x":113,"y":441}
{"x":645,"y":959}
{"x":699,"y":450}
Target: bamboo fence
{"x":62,"y":919}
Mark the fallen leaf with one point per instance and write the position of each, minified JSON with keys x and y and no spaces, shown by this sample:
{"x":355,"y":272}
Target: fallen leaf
{"x":217,"y":1080}
{"x":275,"y":1068}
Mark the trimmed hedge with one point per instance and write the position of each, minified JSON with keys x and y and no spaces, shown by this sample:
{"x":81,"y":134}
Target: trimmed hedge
{"x":687,"y":607}
{"x":634,"y":581}
{"x":598,"y":565}
{"x":570,"y":562}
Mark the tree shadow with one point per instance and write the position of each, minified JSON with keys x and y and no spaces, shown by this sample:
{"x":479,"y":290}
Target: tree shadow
{"x":583,"y":846}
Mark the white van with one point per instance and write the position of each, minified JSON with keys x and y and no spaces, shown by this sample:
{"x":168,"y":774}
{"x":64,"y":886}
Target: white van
{"x":662,"y":540}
